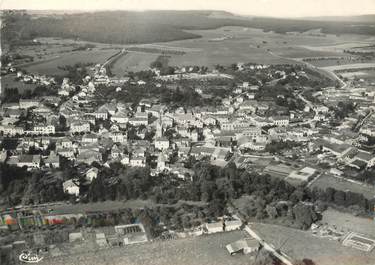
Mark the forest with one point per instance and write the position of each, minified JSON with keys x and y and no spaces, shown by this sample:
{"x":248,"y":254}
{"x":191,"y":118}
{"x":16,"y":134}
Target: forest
{"x":126,"y":27}
{"x":270,"y":198}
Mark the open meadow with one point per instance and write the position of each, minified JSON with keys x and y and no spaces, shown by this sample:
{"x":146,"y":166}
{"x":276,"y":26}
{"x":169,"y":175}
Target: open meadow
{"x":326,"y":181}
{"x":349,"y":222}
{"x":223,"y":45}
{"x":241,"y":44}
{"x":299,"y":244}
{"x":50,"y":67}
{"x":203,"y":250}
{"x":133,"y":62}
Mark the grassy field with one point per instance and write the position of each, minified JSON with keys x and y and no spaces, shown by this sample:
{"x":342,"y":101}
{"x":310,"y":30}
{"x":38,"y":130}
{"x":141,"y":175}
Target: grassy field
{"x":224,"y":46}
{"x":204,"y":250}
{"x":133,"y":61}
{"x":364,"y":74}
{"x":51,"y":67}
{"x":350,"y":66}
{"x":8,"y":81}
{"x":253,"y":45}
{"x":302,"y":244}
{"x":348,"y":222}
{"x":326,"y":181}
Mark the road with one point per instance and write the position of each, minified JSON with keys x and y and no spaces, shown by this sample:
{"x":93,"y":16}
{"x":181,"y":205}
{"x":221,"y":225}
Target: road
{"x":364,"y":119}
{"x":276,"y":253}
{"x":114,"y":57}
{"x":325,"y":71}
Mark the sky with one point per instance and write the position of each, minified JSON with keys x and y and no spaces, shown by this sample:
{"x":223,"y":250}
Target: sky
{"x":274,"y":8}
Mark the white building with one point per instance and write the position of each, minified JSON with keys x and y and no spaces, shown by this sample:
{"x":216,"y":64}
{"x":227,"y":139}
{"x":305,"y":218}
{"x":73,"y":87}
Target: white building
{"x":44,"y":129}
{"x":138,"y":162}
{"x":161,"y":143}
{"x":71,"y":187}
{"x":78,"y":127}
{"x":280,"y":120}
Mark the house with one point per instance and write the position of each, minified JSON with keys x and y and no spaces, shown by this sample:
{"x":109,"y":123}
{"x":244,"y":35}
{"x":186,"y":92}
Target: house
{"x":90,"y":138}
{"x":138,"y":121}
{"x":66,"y":152}
{"x":208,"y":120}
{"x":233,"y":224}
{"x":280,"y":120}
{"x":182,"y":142}
{"x":71,"y":187}
{"x":43,"y":129}
{"x":156,"y":110}
{"x":138,"y":162}
{"x":79,"y":127}
{"x":161,"y":143}
{"x":252,"y":132}
{"x":249,"y":106}
{"x":118,"y":137}
{"x":224,"y":140}
{"x":91,"y":174}
{"x":88,"y":156}
{"x":245,"y":246}
{"x":28,"y":103}
{"x":53,"y":160}
{"x":64,"y":143}
{"x":29,"y":161}
{"x":211,"y":228}
{"x":117,"y":151}
{"x":166,"y":121}
{"x":199,"y":151}
{"x":101,"y":114}
{"x":120,"y":117}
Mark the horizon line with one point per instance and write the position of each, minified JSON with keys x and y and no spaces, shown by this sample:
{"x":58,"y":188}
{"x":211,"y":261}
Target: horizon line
{"x":184,"y":10}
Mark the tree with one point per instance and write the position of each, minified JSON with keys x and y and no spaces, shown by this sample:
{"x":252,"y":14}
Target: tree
{"x":304,"y":215}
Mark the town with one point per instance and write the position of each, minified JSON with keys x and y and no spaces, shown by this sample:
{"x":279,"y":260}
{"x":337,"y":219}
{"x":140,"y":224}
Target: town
{"x":94,"y":162}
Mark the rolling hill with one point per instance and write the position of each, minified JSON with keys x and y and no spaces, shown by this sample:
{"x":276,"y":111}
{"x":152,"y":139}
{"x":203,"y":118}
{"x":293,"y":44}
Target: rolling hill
{"x":129,"y":27}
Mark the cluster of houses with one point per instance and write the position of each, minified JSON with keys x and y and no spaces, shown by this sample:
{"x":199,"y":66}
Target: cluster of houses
{"x":153,"y":134}
{"x":34,"y":78}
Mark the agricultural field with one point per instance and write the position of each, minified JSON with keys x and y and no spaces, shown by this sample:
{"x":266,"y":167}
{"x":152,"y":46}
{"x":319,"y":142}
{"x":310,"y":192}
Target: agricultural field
{"x":326,"y":181}
{"x":204,"y":250}
{"x":239,"y":44}
{"x":223,"y":45}
{"x":363,"y":74}
{"x":350,"y":66}
{"x":299,"y":244}
{"x":50,"y":67}
{"x":133,"y":61}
